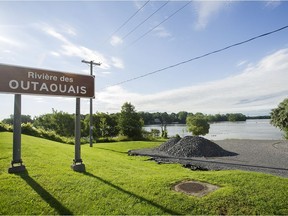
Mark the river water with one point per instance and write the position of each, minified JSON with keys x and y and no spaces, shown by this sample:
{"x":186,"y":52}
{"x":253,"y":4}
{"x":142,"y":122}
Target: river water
{"x":259,"y":129}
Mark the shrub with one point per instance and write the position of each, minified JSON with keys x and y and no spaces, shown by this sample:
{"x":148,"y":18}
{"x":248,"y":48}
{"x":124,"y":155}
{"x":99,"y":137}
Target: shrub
{"x":51,"y":135}
{"x":197,"y":124}
{"x":4,"y":127}
{"x":123,"y":138}
{"x":28,"y":129}
{"x":279,"y":117}
{"x":155,"y":132}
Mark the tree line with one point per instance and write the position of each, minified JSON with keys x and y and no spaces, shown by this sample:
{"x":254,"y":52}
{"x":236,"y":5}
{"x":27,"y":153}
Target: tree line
{"x":180,"y":117}
{"x":58,"y":125}
{"x":127,"y":123}
{"x":110,"y":125}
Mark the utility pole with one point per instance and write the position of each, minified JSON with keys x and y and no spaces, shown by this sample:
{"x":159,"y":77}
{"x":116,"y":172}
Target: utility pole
{"x":91,"y":106}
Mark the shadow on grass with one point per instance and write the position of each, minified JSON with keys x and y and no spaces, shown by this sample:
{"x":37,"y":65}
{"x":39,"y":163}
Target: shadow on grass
{"x":112,"y":150}
{"x":44,"y":194}
{"x":167,"y":211}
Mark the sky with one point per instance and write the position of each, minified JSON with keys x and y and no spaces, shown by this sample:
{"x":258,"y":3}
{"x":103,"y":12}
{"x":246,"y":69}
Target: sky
{"x":137,"y":39}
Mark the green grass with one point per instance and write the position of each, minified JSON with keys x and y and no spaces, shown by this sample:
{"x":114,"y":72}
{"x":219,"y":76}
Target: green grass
{"x":119,"y":184}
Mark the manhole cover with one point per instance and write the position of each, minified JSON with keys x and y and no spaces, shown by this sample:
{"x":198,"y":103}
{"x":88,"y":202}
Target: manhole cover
{"x":191,"y":187}
{"x":195,"y":188}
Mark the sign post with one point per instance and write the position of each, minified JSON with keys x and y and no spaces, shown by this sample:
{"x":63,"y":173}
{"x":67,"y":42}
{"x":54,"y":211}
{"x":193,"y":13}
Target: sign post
{"x":16,"y":163}
{"x":77,"y":162}
{"x":24,"y":80}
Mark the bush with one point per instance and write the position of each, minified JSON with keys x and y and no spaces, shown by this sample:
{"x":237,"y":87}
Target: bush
{"x":285,"y":133}
{"x":279,"y":117}
{"x":197,"y":124}
{"x":105,"y":140}
{"x":123,"y":138}
{"x":155,"y":132}
{"x":28,"y":129}
{"x":146,"y":135}
{"x":5,"y":127}
{"x":51,"y":135}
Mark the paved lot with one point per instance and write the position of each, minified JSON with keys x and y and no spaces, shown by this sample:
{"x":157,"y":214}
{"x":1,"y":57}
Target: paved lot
{"x":268,"y":156}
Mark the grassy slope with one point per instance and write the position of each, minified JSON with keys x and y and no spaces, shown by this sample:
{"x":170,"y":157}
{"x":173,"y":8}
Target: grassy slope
{"x":118,"y":184}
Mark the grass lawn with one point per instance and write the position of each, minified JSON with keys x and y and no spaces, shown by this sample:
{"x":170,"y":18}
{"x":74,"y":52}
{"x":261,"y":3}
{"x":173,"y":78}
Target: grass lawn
{"x":115,"y":183}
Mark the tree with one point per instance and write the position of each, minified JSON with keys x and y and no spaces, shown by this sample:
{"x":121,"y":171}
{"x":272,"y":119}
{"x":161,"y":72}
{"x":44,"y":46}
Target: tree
{"x":279,"y":117}
{"x":236,"y":117}
{"x":60,"y":122}
{"x":147,"y":117}
{"x":155,"y":132}
{"x":182,"y":116}
{"x":24,"y":119}
{"x":164,"y":118}
{"x":130,"y":123}
{"x":104,"y":125}
{"x":108,"y":125}
{"x":197,"y":124}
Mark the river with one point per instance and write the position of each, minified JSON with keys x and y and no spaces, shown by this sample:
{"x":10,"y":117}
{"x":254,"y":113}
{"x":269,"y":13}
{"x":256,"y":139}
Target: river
{"x":258,"y":129}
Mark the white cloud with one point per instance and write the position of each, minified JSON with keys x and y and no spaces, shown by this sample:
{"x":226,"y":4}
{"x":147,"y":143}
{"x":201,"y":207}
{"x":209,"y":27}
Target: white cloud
{"x":258,"y":88}
{"x":241,"y":63}
{"x":9,"y":41}
{"x":206,"y":10}
{"x":272,"y":4}
{"x":117,"y":63}
{"x":115,"y":41}
{"x":52,"y":32}
{"x":71,"y":49}
{"x":69,"y":30}
{"x":56,"y":54}
{"x":161,"y":32}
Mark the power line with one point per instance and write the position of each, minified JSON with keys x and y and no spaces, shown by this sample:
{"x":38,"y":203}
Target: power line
{"x":160,"y":23}
{"x":201,"y":56}
{"x":145,"y":20}
{"x":130,"y":18}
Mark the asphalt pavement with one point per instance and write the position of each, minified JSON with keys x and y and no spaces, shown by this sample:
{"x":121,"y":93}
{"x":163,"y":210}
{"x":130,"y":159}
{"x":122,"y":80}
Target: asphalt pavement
{"x":268,"y":156}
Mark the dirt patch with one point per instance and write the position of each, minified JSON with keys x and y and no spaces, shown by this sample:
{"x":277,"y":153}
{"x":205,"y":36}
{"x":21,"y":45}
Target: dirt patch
{"x":195,"y":188}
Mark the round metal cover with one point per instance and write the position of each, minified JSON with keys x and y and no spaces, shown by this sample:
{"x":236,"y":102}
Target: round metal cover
{"x":191,"y":187}
{"x":195,"y":188}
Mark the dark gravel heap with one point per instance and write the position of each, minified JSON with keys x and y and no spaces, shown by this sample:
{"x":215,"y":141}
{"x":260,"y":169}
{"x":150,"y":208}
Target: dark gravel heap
{"x":169,"y":144}
{"x":193,"y":146}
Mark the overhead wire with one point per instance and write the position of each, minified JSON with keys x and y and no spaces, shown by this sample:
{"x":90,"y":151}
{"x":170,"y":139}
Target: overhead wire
{"x":181,"y":8}
{"x":145,"y":20}
{"x":120,"y":27}
{"x":199,"y":57}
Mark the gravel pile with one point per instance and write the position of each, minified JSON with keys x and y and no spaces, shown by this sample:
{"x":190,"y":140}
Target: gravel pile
{"x":193,"y":146}
{"x":169,"y":144}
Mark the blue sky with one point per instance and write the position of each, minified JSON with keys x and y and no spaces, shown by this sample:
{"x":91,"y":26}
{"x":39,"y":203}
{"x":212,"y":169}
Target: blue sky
{"x":57,"y":35}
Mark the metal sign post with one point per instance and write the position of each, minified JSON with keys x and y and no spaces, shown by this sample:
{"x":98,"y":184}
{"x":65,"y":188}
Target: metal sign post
{"x":77,"y":162}
{"x":17,"y":164}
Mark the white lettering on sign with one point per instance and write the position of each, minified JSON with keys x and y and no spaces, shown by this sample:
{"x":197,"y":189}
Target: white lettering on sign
{"x":13,"y":84}
{"x":35,"y":75}
{"x":64,"y":88}
{"x":15,"y":79}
